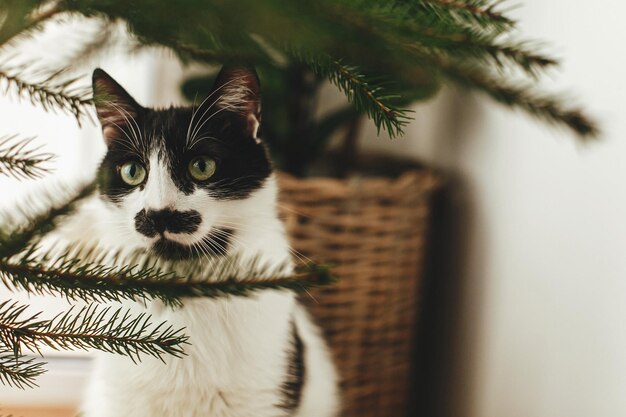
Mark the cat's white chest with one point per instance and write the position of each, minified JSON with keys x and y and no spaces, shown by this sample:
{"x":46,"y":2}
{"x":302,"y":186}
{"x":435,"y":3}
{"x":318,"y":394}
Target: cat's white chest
{"x":234,"y":364}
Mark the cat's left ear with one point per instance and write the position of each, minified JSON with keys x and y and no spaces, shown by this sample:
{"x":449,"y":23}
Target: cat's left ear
{"x":114,"y":106}
{"x":237,"y":89}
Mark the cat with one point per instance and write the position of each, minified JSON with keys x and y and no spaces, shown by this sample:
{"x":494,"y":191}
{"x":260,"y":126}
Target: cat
{"x":187,"y":183}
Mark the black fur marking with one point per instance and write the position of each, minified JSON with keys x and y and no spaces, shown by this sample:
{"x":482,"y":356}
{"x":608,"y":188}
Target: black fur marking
{"x":218,"y":133}
{"x":151,"y":223}
{"x":215,"y":243}
{"x":242,"y":163}
{"x":294,"y":382}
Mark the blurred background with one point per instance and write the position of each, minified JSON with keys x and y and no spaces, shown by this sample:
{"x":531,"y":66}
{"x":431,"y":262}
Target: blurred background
{"x":523,"y":295}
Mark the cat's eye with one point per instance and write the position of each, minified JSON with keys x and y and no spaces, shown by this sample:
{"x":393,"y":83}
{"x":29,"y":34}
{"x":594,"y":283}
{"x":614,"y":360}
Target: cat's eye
{"x":201,"y":168}
{"x":132,"y":173}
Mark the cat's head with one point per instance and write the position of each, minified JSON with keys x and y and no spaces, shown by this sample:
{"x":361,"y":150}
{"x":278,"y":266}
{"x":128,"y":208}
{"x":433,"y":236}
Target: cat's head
{"x":179,"y":180}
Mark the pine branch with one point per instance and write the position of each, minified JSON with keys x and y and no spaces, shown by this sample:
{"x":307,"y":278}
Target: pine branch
{"x":372,"y":36}
{"x":550,"y":108}
{"x":452,"y":39}
{"x":485,"y":49}
{"x":367,"y":94}
{"x":91,"y":280}
{"x":19,"y":372}
{"x":483,"y":13}
{"x":50,"y":91}
{"x":32,"y":226}
{"x":90,"y":327}
{"x":20,"y":162}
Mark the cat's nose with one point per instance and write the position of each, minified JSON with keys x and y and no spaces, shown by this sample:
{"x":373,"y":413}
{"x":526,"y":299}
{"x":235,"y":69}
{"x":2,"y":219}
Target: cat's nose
{"x":156,"y":222}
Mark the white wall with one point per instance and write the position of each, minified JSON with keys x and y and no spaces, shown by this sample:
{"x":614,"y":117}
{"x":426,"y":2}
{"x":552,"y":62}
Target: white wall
{"x":542,"y":303}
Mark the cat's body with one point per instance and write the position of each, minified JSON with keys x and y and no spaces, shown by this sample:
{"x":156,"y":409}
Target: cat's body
{"x":241,"y":366}
{"x":187,"y":184}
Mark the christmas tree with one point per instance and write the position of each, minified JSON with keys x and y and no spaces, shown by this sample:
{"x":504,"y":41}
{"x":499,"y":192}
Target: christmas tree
{"x":382,"y":55}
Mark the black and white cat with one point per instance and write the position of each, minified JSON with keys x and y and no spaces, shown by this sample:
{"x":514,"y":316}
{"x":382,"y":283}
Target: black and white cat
{"x":187,"y":183}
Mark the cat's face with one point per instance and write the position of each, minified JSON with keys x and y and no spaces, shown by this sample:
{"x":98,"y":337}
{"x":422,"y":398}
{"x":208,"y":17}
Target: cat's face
{"x":178,"y":179}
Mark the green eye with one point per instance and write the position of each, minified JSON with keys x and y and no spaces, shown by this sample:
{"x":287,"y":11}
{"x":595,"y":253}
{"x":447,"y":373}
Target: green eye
{"x":132,"y":173}
{"x":202,"y":168}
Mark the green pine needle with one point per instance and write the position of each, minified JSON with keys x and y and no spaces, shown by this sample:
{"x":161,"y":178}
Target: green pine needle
{"x":88,"y":279}
{"x":87,"y":274}
{"x":16,"y":231}
{"x":106,"y":329}
{"x":51,"y":91}
{"x":356,"y":37}
{"x":19,"y":160}
{"x":482,"y":13}
{"x":548,"y":107}
{"x":399,"y":24}
{"x":367,"y":94}
{"x":20,"y":372}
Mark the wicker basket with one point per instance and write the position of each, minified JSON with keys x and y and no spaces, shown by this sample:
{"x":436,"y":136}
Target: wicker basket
{"x":374,"y":231}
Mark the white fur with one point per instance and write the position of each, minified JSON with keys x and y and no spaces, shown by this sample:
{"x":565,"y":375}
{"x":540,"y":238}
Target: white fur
{"x":236,"y":363}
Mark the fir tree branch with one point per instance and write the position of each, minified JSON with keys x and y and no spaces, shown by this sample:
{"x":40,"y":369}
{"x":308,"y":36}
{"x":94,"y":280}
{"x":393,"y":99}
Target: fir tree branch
{"x":473,"y":45}
{"x":483,"y":13}
{"x":550,"y":108}
{"x":49,"y":91}
{"x":367,"y":94}
{"x":385,"y":22}
{"x":12,"y":242}
{"x":368,"y":35}
{"x":90,"y":327}
{"x":20,"y":161}
{"x":77,"y":279}
{"x":19,"y":372}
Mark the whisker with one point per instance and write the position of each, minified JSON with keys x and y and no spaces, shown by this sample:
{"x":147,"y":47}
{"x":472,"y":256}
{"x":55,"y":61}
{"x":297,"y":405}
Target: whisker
{"x":131,"y":145}
{"x":232,"y":106}
{"x":194,"y":109}
{"x":128,"y":117}
{"x":197,"y":129}
{"x":292,"y":210}
{"x":237,"y":227}
{"x":195,"y":141}
{"x":310,"y":295}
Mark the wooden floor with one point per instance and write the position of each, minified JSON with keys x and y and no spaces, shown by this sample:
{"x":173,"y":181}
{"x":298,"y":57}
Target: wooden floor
{"x":38,"y":411}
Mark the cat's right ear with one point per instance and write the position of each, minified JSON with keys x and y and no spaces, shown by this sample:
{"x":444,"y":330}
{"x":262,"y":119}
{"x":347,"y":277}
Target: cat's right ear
{"x":114,"y":106}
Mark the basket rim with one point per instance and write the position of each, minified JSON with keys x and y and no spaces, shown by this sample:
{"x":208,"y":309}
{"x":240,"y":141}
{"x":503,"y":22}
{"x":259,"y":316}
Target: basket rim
{"x":426,"y":178}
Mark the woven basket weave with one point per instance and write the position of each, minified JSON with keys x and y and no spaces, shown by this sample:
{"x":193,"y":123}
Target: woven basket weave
{"x":373,"y":230}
